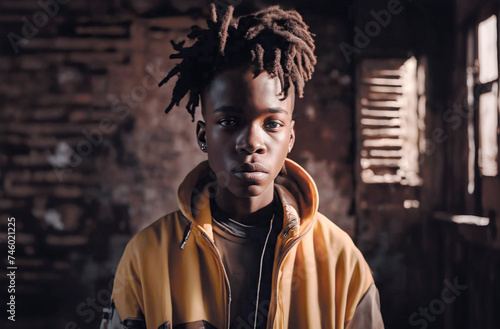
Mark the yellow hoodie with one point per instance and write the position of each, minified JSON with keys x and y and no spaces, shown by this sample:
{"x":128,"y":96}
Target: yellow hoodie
{"x":171,"y":274}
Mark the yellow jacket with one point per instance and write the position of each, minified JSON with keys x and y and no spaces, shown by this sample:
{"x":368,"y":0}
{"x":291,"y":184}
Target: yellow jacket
{"x":171,"y":272}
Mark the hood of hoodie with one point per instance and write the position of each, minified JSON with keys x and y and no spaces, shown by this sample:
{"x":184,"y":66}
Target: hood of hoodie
{"x":296,"y":188}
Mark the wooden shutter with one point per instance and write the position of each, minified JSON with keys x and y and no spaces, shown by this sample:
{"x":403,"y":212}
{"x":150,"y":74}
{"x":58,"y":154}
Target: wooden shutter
{"x":387,"y":121}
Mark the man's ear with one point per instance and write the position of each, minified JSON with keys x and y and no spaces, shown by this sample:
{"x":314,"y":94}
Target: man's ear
{"x":292,"y":136}
{"x":201,"y":135}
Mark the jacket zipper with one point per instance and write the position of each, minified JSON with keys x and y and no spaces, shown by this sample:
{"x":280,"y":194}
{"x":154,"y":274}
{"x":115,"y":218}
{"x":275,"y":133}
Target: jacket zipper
{"x":280,"y":261}
{"x":260,"y":273}
{"x":226,"y":279}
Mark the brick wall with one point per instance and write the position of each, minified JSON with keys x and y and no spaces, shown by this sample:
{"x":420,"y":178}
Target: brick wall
{"x":88,"y":157}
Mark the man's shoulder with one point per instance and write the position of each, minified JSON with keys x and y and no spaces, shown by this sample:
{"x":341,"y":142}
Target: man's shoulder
{"x":161,"y":231}
{"x":335,"y":239}
{"x":350,"y":262}
{"x":325,"y":226}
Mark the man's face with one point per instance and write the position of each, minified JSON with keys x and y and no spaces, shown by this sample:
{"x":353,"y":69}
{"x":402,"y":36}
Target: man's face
{"x":248,"y":130}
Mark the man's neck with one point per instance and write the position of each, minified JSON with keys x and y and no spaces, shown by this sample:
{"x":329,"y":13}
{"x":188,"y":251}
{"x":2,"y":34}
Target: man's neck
{"x":248,"y":211}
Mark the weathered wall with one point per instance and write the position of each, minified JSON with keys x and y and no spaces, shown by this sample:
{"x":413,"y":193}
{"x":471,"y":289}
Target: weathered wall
{"x":472,"y":253}
{"x":414,"y":256}
{"x":89,"y":158}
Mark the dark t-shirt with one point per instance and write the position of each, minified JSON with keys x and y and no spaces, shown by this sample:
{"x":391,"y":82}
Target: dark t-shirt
{"x":242,"y":248}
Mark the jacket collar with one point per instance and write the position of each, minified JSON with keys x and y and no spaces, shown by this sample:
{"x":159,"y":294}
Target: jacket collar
{"x":296,"y":188}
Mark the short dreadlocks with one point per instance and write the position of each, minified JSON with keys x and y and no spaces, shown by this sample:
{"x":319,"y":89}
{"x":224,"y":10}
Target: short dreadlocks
{"x":271,"y":39}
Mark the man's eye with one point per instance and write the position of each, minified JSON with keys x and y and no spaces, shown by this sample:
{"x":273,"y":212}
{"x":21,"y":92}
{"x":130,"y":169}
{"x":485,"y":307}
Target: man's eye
{"x":273,"y":124}
{"x":227,"y":122}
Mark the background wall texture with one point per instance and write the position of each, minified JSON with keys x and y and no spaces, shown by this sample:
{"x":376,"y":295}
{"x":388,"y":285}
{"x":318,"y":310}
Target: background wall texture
{"x":88,"y":157}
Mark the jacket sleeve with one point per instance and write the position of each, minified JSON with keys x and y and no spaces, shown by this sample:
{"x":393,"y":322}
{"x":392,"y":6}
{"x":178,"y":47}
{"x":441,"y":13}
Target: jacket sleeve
{"x":126,"y":302}
{"x":367,"y":313}
{"x":111,"y":319}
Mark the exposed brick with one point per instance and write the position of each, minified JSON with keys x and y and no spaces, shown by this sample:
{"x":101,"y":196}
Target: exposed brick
{"x":6,"y":62}
{"x":185,"y":6}
{"x":11,"y":203}
{"x":175,"y":23}
{"x":36,"y":142}
{"x":62,"y":265}
{"x":27,"y":191}
{"x":93,"y":117}
{"x":30,"y":62}
{"x":39,"y":276}
{"x":24,"y":191}
{"x":74,"y":177}
{"x":12,"y":18}
{"x":102,"y":30}
{"x":68,"y":192}
{"x":59,"y":99}
{"x":97,"y":60}
{"x":70,"y":215}
{"x":70,"y":79}
{"x":67,"y":240}
{"x":99,"y":84}
{"x":25,"y":238}
{"x":11,"y":90}
{"x":26,"y":263}
{"x":13,"y":5}
{"x":60,"y":44}
{"x":59,"y":85}
{"x":48,"y":114}
{"x":33,"y":159}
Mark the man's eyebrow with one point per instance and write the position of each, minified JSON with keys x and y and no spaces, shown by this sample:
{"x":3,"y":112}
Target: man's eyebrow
{"x":236,"y":109}
{"x":277,"y":110}
{"x":228,"y":108}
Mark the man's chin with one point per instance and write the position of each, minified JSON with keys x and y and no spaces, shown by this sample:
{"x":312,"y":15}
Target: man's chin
{"x":249,"y":190}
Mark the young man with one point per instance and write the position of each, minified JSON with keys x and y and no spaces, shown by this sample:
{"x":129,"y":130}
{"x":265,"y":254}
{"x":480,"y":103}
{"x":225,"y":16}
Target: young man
{"x":248,"y":247}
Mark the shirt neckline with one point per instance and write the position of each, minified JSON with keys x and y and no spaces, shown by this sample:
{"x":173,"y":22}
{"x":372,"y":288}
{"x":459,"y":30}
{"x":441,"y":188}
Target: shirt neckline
{"x":238,"y":230}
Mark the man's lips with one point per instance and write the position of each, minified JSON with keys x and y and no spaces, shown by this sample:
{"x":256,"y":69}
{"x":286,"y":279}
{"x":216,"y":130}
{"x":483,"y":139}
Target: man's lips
{"x":251,"y":167}
{"x":253,"y":172}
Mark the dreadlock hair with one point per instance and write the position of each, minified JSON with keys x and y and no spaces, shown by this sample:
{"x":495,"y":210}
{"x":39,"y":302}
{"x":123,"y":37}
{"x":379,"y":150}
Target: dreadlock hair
{"x":271,"y":39}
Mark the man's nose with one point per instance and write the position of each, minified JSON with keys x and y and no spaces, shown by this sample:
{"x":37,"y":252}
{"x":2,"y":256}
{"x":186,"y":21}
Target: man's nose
{"x":250,"y":141}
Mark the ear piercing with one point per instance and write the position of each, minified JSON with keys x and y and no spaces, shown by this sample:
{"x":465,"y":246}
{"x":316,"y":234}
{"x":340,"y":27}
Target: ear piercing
{"x":203,"y":147}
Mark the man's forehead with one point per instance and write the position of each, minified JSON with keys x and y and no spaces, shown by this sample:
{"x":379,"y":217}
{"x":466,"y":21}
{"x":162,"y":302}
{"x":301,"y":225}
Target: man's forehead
{"x":241,"y":109}
{"x":239,"y":86}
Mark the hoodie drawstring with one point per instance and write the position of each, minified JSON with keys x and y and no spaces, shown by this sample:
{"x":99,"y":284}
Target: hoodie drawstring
{"x":187,"y":232}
